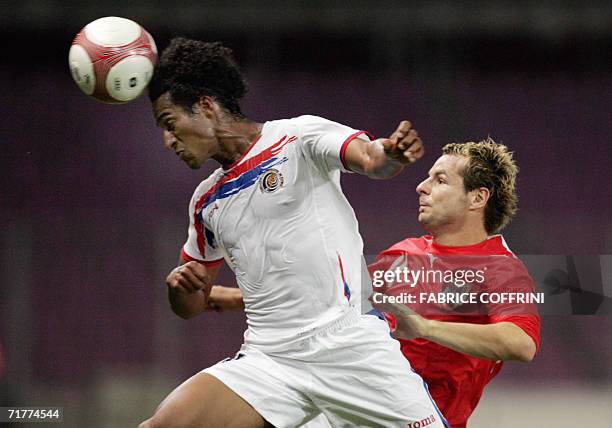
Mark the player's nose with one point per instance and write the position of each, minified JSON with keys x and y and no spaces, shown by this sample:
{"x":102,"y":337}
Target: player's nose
{"x":422,"y":186}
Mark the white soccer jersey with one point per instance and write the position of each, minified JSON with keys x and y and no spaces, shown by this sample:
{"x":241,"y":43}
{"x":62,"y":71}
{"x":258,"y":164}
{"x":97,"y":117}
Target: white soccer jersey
{"x":280,"y":220}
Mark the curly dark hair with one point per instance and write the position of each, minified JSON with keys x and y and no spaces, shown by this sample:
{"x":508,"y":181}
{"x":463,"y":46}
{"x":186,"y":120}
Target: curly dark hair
{"x":190,"y":69}
{"x":490,"y":165}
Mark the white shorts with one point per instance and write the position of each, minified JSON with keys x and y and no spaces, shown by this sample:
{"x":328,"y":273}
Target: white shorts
{"x":351,"y":371}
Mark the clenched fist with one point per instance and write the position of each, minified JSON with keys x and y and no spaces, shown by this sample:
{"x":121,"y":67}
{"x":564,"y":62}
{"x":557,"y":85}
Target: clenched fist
{"x":404,"y":145}
{"x":189,"y":278}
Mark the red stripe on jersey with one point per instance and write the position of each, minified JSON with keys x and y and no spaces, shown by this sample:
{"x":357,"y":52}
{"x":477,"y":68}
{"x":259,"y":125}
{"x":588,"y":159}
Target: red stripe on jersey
{"x":346,"y":289}
{"x":341,"y":269}
{"x":233,"y":164}
{"x":199,"y":234}
{"x":346,"y":143}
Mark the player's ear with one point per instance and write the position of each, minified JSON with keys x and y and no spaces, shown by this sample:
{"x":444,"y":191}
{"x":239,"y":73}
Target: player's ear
{"x":207,"y":105}
{"x":479,"y":197}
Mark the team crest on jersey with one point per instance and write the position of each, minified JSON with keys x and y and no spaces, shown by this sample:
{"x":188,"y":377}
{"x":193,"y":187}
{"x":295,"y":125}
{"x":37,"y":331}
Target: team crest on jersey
{"x":271,"y":181}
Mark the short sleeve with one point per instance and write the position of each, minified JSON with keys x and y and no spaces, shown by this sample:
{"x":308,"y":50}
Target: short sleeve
{"x":514,"y":278}
{"x":201,"y":244}
{"x":324,"y":142}
{"x":530,"y":324}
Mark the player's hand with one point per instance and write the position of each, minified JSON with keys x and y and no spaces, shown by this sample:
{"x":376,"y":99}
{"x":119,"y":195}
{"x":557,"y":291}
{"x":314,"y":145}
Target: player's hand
{"x":408,"y":324}
{"x":404,"y":145}
{"x":189,"y":278}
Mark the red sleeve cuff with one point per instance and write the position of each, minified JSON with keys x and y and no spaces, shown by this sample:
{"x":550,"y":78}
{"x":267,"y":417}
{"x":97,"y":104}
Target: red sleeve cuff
{"x":346,"y":143}
{"x":210,"y":263}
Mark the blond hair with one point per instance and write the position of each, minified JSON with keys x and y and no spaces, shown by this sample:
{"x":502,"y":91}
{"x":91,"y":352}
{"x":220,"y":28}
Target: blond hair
{"x":490,"y":165}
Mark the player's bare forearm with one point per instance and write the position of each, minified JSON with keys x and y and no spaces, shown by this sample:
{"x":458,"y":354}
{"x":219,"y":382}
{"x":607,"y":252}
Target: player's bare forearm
{"x":371,"y":160}
{"x":225,"y":298}
{"x":386,"y":157}
{"x":500,"y":341}
{"x":220,"y":299}
{"x":187,"y":305}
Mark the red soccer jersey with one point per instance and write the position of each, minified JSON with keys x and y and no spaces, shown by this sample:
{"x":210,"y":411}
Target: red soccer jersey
{"x":456,"y":381}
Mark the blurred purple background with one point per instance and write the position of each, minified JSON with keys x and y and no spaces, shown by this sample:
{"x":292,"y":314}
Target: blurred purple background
{"x":94,"y":210}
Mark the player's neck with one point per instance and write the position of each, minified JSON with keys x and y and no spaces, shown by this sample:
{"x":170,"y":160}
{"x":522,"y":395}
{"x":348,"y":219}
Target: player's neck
{"x":461,"y":237}
{"x":235,"y":137}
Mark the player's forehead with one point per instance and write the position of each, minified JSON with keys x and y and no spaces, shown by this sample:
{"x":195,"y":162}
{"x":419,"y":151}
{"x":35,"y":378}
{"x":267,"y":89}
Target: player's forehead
{"x":450,"y":165}
{"x":163,"y":106}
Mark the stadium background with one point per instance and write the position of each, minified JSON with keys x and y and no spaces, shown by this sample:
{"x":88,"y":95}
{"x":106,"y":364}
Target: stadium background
{"x":94,"y":210}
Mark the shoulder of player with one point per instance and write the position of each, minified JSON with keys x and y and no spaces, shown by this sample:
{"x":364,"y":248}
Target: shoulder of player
{"x":496,"y":244}
{"x":302,"y":124}
{"x":408,"y":245}
{"x":296,"y":121}
{"x":503,"y":264}
{"x":307,"y":118}
{"x":289,"y":130}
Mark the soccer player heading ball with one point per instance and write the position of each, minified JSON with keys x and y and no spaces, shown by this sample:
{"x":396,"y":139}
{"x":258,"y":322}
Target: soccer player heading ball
{"x":275,"y":212}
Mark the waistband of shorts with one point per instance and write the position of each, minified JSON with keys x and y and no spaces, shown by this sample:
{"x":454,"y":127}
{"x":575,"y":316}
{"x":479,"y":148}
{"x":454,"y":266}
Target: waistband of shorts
{"x":350,"y":317}
{"x":298,"y":341}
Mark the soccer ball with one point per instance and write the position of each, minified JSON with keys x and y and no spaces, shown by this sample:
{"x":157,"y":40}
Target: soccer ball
{"x":111,"y":59}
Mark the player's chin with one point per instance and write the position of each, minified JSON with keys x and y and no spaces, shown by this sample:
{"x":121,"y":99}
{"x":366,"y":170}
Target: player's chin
{"x":425,"y":221}
{"x":193,"y":163}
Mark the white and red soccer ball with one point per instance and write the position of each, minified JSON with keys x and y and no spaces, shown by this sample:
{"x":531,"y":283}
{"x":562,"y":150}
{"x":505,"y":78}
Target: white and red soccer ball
{"x":111,"y":59}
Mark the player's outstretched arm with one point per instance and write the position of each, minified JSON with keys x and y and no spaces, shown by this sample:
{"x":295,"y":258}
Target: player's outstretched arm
{"x":385,"y":157}
{"x":501,"y":341}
